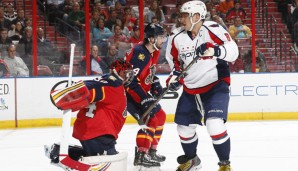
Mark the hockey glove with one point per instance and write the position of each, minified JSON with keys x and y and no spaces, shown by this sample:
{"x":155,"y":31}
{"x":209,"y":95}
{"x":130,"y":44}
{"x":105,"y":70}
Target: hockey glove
{"x":156,"y":88}
{"x":208,"y":49}
{"x":146,"y":103}
{"x":172,"y":83}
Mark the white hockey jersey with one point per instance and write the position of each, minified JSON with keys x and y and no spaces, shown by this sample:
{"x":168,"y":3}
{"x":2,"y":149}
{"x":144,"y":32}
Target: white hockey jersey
{"x":205,"y":73}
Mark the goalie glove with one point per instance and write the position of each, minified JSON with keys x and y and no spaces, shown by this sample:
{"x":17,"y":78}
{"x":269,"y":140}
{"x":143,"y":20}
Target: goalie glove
{"x":74,"y":97}
{"x":172,"y":83}
{"x":208,"y":49}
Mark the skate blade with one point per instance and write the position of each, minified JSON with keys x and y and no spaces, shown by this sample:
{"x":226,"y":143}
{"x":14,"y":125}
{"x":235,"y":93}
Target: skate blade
{"x":196,"y":168}
{"x":142,"y":168}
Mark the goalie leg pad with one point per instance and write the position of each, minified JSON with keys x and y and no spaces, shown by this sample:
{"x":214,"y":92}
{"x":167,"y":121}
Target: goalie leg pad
{"x":74,"y":97}
{"x":116,"y":162}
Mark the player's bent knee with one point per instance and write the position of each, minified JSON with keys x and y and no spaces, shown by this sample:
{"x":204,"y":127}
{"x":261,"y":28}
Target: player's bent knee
{"x":116,"y":162}
{"x":217,"y":130}
{"x":186,"y":131}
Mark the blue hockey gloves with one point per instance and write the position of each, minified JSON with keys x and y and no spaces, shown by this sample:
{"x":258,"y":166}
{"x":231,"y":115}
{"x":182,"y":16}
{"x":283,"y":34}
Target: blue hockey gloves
{"x":156,"y":88}
{"x":172,"y":83}
{"x":146,"y":103}
{"x":213,"y":50}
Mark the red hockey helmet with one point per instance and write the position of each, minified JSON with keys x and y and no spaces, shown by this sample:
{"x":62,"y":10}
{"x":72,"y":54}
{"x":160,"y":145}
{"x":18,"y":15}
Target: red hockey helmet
{"x":123,"y":69}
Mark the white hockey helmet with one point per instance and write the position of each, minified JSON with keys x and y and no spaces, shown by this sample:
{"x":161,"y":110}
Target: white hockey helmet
{"x":193,"y":7}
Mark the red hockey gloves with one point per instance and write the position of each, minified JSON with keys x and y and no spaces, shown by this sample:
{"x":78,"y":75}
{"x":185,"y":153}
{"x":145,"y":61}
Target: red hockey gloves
{"x":208,"y":49}
{"x":156,"y":88}
{"x":74,"y":97}
{"x":172,"y":83}
{"x":146,"y":103}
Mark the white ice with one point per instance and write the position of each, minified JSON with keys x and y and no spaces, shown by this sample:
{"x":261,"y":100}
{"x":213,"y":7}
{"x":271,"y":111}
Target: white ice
{"x":256,"y":146}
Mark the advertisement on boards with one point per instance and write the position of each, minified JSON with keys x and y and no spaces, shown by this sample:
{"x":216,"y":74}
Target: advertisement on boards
{"x":7,"y":99}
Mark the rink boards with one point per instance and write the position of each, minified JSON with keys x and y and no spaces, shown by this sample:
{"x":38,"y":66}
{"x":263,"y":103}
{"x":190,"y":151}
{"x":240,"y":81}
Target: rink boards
{"x":25,"y":102}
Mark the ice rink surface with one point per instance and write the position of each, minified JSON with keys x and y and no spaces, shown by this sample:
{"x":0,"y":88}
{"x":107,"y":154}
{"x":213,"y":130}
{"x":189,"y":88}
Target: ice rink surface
{"x":256,"y":146}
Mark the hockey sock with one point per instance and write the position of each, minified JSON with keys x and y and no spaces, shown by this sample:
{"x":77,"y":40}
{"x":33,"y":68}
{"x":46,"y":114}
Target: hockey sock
{"x":223,"y":150}
{"x":144,"y":139}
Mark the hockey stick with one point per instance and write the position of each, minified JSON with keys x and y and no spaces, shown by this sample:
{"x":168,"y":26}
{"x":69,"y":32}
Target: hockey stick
{"x":66,"y":119}
{"x":141,"y":122}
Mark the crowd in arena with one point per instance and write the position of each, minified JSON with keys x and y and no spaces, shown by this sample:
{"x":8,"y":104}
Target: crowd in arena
{"x":114,"y":29}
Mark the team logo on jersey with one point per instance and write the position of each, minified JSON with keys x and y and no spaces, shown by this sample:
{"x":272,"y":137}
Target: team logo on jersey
{"x":141,"y":57}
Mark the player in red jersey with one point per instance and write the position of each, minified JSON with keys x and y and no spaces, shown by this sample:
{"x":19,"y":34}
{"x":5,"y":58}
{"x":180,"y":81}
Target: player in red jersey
{"x":101,"y":116}
{"x":141,"y":93}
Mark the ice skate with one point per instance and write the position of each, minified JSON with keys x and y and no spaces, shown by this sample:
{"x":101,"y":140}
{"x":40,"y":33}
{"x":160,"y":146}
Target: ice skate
{"x":187,"y":164}
{"x":52,"y":152}
{"x":143,"y":162}
{"x":224,"y":166}
{"x":157,"y":157}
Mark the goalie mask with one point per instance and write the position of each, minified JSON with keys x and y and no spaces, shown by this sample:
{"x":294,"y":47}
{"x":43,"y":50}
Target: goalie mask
{"x":122,"y":69}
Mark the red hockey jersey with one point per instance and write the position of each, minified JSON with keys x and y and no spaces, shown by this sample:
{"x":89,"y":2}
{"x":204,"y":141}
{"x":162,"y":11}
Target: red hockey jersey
{"x":106,"y":113}
{"x":144,"y":70}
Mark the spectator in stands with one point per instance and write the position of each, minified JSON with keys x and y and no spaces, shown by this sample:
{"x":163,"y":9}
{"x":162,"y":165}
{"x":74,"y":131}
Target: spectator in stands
{"x":117,"y":36}
{"x":15,"y":64}
{"x":175,"y":15}
{"x":94,"y":19}
{"x":135,"y":38}
{"x":102,"y":13}
{"x":124,"y":30}
{"x":224,"y":7}
{"x":4,"y":71}
{"x":20,"y":18}
{"x":10,"y":14}
{"x":47,"y":53}
{"x":4,"y":23}
{"x":97,"y":65}
{"x":100,"y":36}
{"x":28,"y":22}
{"x":209,"y":6}
{"x":112,"y":55}
{"x":5,"y":41}
{"x":112,"y":19}
{"x":76,"y":17}
{"x":261,"y":65}
{"x":25,"y":45}
{"x":239,"y":30}
{"x":16,"y":33}
{"x":236,"y":11}
{"x":53,"y":10}
{"x":119,"y":10}
{"x":65,"y":8}
{"x":155,"y":10}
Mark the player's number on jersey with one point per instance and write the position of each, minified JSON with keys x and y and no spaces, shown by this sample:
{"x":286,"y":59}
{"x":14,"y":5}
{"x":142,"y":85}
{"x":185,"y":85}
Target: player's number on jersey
{"x":136,"y":71}
{"x":92,"y":108}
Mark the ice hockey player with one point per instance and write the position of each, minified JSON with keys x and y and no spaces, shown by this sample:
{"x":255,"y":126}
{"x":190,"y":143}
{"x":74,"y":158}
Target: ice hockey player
{"x":100,"y":117}
{"x":205,"y":85}
{"x":141,"y":93}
